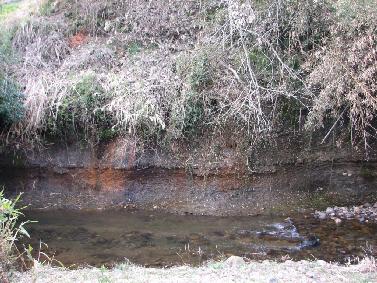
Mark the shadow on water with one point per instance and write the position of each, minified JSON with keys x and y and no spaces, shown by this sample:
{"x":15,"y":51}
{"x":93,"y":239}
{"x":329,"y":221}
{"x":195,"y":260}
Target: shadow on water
{"x":158,"y":239}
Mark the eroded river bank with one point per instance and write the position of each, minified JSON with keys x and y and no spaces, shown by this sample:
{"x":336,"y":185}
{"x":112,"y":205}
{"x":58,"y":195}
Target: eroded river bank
{"x":159,"y":209}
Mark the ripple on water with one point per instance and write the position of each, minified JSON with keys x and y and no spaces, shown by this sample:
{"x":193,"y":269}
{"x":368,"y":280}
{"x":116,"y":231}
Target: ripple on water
{"x":151,"y":239}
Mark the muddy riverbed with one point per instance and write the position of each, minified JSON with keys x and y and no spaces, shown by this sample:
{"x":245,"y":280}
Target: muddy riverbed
{"x":79,"y":238}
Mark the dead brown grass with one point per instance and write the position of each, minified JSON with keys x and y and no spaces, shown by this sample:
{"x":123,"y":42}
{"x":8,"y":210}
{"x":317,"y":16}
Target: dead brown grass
{"x":175,"y":69}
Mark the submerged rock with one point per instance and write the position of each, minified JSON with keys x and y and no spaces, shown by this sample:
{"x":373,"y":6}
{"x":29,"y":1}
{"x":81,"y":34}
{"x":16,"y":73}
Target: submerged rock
{"x":288,"y":231}
{"x":281,"y":230}
{"x":321,"y":215}
{"x":310,"y":242}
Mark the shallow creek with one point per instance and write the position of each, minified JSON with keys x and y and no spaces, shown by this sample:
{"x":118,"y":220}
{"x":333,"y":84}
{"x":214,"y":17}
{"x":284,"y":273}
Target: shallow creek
{"x":157,"y":239}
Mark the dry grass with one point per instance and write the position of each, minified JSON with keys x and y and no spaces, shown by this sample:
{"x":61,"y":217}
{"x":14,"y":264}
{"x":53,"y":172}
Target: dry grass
{"x":303,"y":271}
{"x":173,"y":69}
{"x":346,"y":73}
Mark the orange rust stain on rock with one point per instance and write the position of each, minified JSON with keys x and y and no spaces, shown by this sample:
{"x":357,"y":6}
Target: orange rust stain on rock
{"x":102,"y":179}
{"x":78,"y":39}
{"x":120,"y":152}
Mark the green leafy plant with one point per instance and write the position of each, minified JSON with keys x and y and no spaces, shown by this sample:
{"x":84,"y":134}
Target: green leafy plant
{"x":134,"y":48}
{"x":194,"y":114}
{"x":11,"y":230}
{"x":201,"y":73}
{"x":260,"y":61}
{"x":187,"y":115}
{"x":104,"y":278}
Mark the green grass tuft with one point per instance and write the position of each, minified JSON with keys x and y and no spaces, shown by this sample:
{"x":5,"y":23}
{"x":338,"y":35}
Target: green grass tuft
{"x":8,"y":8}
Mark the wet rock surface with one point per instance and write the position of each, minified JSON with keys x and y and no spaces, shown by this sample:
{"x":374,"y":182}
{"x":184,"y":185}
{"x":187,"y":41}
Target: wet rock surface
{"x":284,"y":229}
{"x":287,"y":231}
{"x":363,"y":213}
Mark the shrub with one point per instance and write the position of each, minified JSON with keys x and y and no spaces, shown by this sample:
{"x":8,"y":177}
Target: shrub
{"x":11,"y":102}
{"x":135,"y":108}
{"x":80,"y":111}
{"x":187,"y":115}
{"x":201,"y":75}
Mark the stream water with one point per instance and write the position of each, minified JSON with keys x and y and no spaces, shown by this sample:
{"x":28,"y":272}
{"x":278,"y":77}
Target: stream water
{"x":158,"y":239}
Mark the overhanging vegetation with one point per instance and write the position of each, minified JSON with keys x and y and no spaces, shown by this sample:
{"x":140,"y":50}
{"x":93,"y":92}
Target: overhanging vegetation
{"x":180,"y":71}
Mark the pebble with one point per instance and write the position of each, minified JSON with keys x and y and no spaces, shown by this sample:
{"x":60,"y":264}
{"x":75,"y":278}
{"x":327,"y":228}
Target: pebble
{"x":235,"y":261}
{"x":348,"y":215}
{"x":329,"y":210}
{"x":363,"y":213}
{"x":321,"y":215}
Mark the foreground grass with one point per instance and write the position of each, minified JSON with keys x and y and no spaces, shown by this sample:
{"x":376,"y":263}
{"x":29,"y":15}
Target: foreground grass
{"x":232,"y":270}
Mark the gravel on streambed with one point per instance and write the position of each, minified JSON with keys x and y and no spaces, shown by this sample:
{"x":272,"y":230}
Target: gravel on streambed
{"x":363,"y":213}
{"x":234,"y":269}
